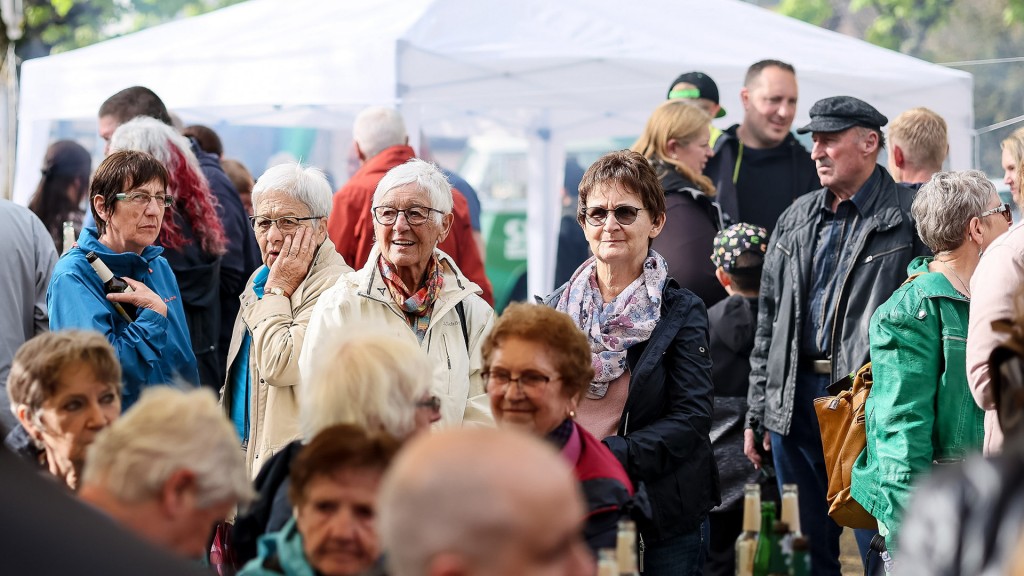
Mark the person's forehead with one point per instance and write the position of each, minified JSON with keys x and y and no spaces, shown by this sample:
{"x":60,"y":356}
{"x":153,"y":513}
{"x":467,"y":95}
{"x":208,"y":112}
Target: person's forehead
{"x":280,"y":201}
{"x":775,"y":79}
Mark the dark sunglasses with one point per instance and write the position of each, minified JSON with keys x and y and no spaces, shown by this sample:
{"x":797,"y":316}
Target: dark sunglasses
{"x":597,"y":216}
{"x":1003,"y":209}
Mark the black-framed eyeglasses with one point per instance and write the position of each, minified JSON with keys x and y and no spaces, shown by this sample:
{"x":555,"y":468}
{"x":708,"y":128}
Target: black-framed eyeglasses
{"x":414,"y":215}
{"x":1003,"y":209}
{"x":143,"y":198}
{"x":432,"y":403}
{"x":528,"y":380}
{"x":286,"y":224}
{"x":597,"y":216}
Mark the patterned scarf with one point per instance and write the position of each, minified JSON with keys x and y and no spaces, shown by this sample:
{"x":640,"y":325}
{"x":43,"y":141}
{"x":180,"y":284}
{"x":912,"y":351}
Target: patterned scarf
{"x":613,"y":327}
{"x":417,"y":305}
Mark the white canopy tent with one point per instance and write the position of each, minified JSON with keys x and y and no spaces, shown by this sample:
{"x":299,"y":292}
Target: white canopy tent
{"x":546,"y":71}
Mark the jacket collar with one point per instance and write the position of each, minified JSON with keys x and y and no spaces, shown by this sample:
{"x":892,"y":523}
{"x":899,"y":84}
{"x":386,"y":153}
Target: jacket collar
{"x":385,"y":160}
{"x":120,"y":263}
{"x":934,"y":284}
{"x":455,"y":289}
{"x":880,"y":200}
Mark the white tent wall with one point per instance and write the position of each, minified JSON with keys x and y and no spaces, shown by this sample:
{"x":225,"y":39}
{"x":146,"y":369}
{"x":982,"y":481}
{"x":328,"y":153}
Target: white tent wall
{"x":546,"y":71}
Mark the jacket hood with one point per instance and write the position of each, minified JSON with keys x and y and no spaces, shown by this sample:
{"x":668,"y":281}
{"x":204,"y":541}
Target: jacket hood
{"x":734,"y":320}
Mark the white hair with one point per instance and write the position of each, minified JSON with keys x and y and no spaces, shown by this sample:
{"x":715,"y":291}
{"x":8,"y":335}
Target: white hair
{"x":152,"y":136}
{"x":169,"y":430}
{"x":369,"y":378}
{"x":427,"y":176}
{"x":378,"y":128}
{"x":307,"y":185}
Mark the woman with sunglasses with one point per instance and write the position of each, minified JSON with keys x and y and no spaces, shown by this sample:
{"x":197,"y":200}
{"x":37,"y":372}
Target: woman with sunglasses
{"x":261,"y":392}
{"x":147,"y":327}
{"x":650,"y":400}
{"x":415,"y":290}
{"x":676,"y":142}
{"x":921,"y":411}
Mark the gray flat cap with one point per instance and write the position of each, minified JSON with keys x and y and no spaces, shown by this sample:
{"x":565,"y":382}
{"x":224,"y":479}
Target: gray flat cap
{"x":838,"y":113}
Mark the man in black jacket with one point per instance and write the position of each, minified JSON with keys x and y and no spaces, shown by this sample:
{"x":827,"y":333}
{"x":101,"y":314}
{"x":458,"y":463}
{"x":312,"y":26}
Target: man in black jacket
{"x":759,"y":168}
{"x":835,"y":256}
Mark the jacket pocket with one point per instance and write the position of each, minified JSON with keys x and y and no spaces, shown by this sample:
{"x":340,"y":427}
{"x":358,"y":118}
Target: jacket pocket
{"x":887,"y":252}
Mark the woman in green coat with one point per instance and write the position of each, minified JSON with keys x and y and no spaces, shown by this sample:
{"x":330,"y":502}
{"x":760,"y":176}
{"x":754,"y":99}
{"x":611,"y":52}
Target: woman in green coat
{"x":920,"y":411}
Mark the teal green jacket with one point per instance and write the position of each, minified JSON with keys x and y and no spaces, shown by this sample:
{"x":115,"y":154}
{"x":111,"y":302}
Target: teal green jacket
{"x":279,"y":553}
{"x":920,"y":411}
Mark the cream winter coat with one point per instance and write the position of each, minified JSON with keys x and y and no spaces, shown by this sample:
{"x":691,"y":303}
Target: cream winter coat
{"x":362,"y":296}
{"x":278,"y":327}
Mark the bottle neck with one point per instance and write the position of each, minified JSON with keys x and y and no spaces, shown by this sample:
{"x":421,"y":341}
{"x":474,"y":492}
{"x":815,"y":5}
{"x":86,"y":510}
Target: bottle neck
{"x":751,"y":507}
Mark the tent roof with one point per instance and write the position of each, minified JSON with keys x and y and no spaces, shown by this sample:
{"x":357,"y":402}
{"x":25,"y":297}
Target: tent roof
{"x":578,"y":68}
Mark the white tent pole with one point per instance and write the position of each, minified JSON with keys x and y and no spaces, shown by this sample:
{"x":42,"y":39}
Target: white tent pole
{"x":546,"y":168}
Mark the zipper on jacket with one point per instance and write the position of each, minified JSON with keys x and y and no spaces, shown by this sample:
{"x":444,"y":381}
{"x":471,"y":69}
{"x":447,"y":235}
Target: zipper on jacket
{"x":839,"y":301}
{"x":444,"y":344}
{"x":640,"y":552}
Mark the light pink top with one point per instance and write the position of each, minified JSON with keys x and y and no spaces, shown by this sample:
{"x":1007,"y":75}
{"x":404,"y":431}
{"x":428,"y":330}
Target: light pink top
{"x":993,"y":286}
{"x":601,"y":417}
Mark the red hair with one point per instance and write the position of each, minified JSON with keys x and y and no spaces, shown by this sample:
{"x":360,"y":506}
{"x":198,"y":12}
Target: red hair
{"x":194,"y":201}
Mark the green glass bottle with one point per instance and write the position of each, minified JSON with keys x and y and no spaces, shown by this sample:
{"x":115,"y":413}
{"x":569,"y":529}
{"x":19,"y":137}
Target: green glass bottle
{"x":778,"y":564}
{"x":763,"y":554}
{"x":800,"y":562}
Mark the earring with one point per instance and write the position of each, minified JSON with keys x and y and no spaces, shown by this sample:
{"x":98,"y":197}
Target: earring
{"x":572,"y":413}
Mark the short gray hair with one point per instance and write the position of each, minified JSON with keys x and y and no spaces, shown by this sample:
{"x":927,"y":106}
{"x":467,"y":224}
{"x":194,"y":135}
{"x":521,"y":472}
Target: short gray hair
{"x":166,"y":431}
{"x":378,"y":128}
{"x":427,"y":176}
{"x":945,"y":205}
{"x":371,"y":378}
{"x":306,"y":184}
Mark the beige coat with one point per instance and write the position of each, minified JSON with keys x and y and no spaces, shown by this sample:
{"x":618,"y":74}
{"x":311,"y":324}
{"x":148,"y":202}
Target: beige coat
{"x":278,"y":327}
{"x":362,"y":296}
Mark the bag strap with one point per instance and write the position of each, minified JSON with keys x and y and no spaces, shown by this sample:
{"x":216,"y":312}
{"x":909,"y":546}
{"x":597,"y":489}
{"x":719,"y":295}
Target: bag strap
{"x":460,"y":309}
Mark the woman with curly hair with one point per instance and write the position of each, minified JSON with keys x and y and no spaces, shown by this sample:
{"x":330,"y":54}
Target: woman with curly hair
{"x":192,"y":235}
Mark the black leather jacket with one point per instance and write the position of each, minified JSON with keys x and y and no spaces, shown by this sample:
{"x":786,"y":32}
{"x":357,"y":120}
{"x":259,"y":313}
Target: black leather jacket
{"x":663,"y":438}
{"x":881,"y":252}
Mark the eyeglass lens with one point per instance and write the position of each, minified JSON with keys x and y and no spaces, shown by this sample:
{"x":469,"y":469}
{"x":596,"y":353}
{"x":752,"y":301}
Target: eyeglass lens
{"x":624,"y":215}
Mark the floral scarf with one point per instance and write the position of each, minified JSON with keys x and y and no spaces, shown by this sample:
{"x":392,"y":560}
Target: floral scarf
{"x":613,"y":327}
{"x":419,"y":304}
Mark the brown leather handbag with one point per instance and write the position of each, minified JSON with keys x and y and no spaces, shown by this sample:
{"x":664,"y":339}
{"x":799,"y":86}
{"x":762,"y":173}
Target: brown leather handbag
{"x":843,"y":438}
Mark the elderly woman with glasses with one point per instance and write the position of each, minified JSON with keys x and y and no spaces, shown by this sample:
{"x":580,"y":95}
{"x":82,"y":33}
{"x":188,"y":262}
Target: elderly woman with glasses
{"x":537,"y":365}
{"x":146,"y":324}
{"x":261,"y":394}
{"x":921,"y":411}
{"x":650,"y":400}
{"x":415,"y":290}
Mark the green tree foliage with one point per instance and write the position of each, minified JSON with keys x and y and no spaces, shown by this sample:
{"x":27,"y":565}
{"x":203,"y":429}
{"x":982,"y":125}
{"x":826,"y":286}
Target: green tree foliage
{"x":60,"y":25}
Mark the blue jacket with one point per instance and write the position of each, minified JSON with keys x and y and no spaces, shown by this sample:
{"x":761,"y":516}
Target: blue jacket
{"x":153,"y":349}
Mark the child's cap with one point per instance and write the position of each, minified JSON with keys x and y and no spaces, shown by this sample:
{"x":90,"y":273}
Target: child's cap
{"x":735,"y":240}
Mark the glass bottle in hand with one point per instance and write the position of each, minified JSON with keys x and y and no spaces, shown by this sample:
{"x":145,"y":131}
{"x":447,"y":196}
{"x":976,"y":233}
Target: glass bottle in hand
{"x":112,"y":284}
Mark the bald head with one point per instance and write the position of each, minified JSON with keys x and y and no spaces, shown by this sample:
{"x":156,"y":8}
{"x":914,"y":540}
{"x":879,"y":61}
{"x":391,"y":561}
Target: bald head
{"x":482,"y":501}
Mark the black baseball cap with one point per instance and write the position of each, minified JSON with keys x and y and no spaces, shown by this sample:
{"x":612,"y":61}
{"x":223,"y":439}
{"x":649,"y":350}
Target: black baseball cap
{"x":704,"y":87}
{"x":838,"y":113}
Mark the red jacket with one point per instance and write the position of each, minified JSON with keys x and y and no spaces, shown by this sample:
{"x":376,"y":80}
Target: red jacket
{"x":350,"y":225}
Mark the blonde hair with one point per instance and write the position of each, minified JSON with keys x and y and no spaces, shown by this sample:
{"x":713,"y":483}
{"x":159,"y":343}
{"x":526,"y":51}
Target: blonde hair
{"x":921,"y":134}
{"x":165,"y":431}
{"x":369,"y":378}
{"x":1015,"y":144}
{"x":678,"y":120}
